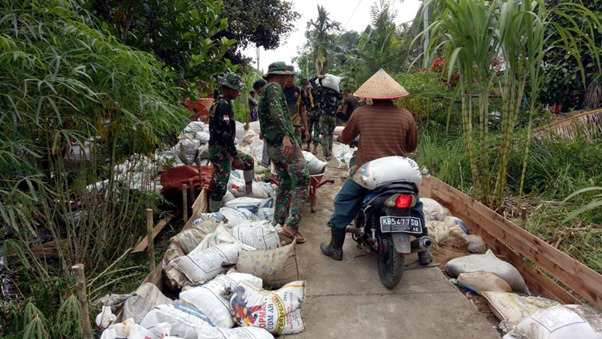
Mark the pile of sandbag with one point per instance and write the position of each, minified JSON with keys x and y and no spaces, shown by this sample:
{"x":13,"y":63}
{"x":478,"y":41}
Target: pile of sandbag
{"x":193,"y":143}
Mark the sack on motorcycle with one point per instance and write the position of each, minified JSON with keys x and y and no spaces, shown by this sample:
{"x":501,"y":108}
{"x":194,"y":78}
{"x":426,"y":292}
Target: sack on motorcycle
{"x":383,"y":171}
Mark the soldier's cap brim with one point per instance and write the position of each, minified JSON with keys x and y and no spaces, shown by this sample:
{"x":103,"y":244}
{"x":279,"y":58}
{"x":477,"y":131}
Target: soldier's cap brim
{"x":265,"y":76}
{"x":231,"y":86}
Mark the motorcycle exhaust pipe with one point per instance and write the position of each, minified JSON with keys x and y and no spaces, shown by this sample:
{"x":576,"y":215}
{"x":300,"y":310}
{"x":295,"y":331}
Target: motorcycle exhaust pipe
{"x":352,"y":229}
{"x":421,"y":244}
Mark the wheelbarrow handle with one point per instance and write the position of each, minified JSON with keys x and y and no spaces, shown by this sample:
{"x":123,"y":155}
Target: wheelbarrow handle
{"x":325,"y":182}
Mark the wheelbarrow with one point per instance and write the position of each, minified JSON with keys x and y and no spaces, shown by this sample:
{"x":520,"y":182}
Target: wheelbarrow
{"x":315,"y":181}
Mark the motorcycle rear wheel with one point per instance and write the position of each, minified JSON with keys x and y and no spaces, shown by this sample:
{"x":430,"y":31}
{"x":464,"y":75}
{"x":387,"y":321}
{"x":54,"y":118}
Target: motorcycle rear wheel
{"x":390,"y":262}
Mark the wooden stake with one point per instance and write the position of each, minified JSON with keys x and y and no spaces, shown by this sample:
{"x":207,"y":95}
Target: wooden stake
{"x":82,"y":295}
{"x":191,"y":188}
{"x":149,"y":237}
{"x":185,"y":203}
{"x":523,"y":217}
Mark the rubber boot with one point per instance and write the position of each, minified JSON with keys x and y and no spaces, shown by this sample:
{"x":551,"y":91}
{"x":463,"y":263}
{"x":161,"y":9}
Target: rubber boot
{"x":334,"y":249}
{"x":425,"y":258}
{"x":214,"y":205}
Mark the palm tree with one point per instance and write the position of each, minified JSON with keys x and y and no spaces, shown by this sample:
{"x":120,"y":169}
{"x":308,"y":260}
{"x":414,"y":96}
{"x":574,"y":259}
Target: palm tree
{"x":320,"y":34}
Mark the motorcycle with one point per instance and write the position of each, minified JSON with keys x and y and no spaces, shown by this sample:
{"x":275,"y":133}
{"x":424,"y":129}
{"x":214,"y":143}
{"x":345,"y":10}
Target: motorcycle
{"x":390,"y":224}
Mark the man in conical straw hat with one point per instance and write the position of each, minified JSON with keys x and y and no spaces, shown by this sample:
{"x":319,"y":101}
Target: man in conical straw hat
{"x":384,"y":130}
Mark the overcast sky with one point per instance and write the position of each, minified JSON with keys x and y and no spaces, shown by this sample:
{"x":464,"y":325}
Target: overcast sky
{"x":352,"y":14}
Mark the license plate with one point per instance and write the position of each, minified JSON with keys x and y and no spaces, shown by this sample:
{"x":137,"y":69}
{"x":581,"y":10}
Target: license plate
{"x":390,"y":224}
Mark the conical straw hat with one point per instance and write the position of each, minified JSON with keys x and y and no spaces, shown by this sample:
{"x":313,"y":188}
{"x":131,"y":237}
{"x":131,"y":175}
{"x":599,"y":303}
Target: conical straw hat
{"x":381,"y":86}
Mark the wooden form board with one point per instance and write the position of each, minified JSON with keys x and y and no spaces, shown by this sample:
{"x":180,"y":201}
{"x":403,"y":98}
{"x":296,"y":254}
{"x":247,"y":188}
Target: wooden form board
{"x":519,"y":247}
{"x":141,"y":246}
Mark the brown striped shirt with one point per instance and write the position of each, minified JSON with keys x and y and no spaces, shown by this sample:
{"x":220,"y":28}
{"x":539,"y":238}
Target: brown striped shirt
{"x":384,"y":130}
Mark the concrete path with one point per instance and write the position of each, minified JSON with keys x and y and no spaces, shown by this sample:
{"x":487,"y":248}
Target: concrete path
{"x":346,"y":299}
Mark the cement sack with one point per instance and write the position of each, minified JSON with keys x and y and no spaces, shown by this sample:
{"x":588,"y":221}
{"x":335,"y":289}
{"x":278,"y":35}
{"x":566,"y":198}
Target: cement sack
{"x":130,"y":330}
{"x":251,"y":204}
{"x":438,"y":231}
{"x":254,"y":126}
{"x":451,"y":221}
{"x":248,"y":137}
{"x":279,"y":312}
{"x":268,"y":203}
{"x":203,"y":152}
{"x":314,"y":165}
{"x":332,"y":82}
{"x":187,"y":150}
{"x":512,"y":308}
{"x":560,"y":322}
{"x":196,"y":126}
{"x":432,"y":210}
{"x":223,"y":235}
{"x":191,"y":238}
{"x":382,"y":171}
{"x":202,"y":265}
{"x":240,"y":131}
{"x":211,"y":298}
{"x":217,"y":217}
{"x":202,"y":137}
{"x":235,"y":216}
{"x":263,"y":190}
{"x":266,"y":214}
{"x":143,"y":300}
{"x":483,"y":282}
{"x":475,"y":244}
{"x":228,"y":197}
{"x":260,"y":234}
{"x":276,"y":267}
{"x":186,"y":321}
{"x":487,"y":262}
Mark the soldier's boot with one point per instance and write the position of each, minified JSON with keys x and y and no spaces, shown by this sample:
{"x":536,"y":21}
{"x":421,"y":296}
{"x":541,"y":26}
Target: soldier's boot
{"x":214,"y":205}
{"x":334,"y":249}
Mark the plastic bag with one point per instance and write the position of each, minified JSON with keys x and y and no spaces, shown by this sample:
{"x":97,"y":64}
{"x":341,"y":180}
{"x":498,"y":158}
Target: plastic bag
{"x":251,"y":204}
{"x":382,"y":171}
{"x":279,"y":312}
{"x":332,"y":82}
{"x":105,"y":317}
{"x":202,"y":265}
{"x":144,"y":299}
{"x":483,"y":282}
{"x":432,"y":210}
{"x":259,"y":234}
{"x":513,"y":308}
{"x":314,"y":165}
{"x":560,"y":322}
{"x":276,"y":267}
{"x":487,"y":262}
{"x":211,"y":298}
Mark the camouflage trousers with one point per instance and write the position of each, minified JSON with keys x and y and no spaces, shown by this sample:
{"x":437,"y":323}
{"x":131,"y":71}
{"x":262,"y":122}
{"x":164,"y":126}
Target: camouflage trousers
{"x":222,"y":165}
{"x":299,"y":134}
{"x":327,"y":125}
{"x":314,"y":130}
{"x":294,"y":185}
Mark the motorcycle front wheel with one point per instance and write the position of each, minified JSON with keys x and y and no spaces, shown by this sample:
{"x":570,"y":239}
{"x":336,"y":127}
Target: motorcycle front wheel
{"x":390,"y":262}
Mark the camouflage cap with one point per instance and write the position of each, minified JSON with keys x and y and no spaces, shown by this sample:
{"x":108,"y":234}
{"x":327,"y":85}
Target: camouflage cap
{"x":291,"y":69}
{"x":278,"y":67}
{"x":232,"y":81}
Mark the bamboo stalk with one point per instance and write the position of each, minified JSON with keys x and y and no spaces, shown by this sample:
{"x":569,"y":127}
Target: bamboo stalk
{"x":185,"y":203}
{"x":80,"y":286}
{"x":149,"y":237}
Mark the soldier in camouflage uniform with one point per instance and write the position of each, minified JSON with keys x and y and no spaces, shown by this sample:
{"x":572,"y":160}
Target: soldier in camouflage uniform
{"x":296,"y":106}
{"x":222,"y":152}
{"x":328,"y":101}
{"x":313,"y":116}
{"x":285,"y":151}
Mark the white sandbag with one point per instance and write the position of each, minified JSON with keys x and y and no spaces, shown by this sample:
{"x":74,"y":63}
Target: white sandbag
{"x":451,"y":221}
{"x":260,"y":234}
{"x":279,"y":312}
{"x":483,"y":282}
{"x":247,"y":138}
{"x":243,"y":333}
{"x":487,"y":262}
{"x":236,"y":186}
{"x":240,"y":131}
{"x":432,"y":209}
{"x":217,"y":216}
{"x":227,"y":197}
{"x":382,"y":171}
{"x":143,"y":300}
{"x":266,"y":214}
{"x":475,"y":244}
{"x":223,"y":235}
{"x":276,"y":267}
{"x":438,"y":231}
{"x":129,"y":329}
{"x":211,"y":298}
{"x":314,"y":165}
{"x":263,"y":190}
{"x":343,"y":153}
{"x":202,"y":137}
{"x":202,"y":265}
{"x":254,"y":126}
{"x":268,"y":203}
{"x":189,"y":239}
{"x":195,"y":127}
{"x":332,"y":82}
{"x":560,"y":322}
{"x":203,"y":152}
{"x":187,"y":150}
{"x":338,"y":130}
{"x":235,"y":216}
{"x":105,"y":317}
{"x":512,"y":308}
{"x":251,"y":204}
{"x":186,"y":321}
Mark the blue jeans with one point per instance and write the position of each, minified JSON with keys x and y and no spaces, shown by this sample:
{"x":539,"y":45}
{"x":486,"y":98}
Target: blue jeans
{"x":348,"y":203}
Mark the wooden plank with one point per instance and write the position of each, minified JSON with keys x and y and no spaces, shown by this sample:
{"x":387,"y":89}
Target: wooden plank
{"x":580,"y":278}
{"x":156,"y":230}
